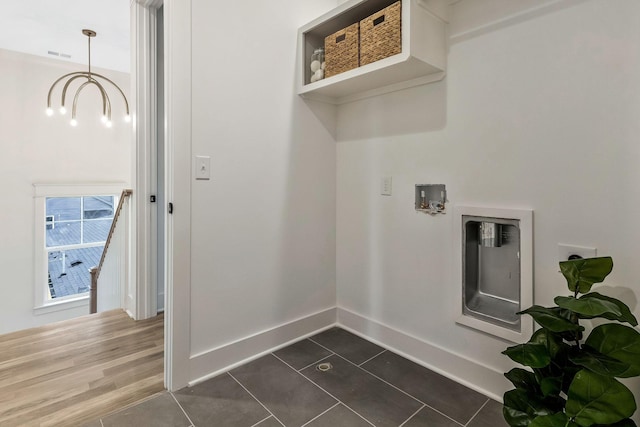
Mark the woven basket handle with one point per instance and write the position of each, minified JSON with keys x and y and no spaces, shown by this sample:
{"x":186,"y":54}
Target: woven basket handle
{"x":341,"y":38}
{"x":378,"y":20}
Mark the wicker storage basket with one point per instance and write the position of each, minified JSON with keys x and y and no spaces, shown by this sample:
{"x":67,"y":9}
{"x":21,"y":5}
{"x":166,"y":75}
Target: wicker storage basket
{"x":341,"y":51}
{"x":380,"y":34}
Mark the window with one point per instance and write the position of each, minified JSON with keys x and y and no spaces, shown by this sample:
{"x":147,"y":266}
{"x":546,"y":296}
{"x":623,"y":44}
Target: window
{"x":72,"y":225}
{"x":76,"y":242}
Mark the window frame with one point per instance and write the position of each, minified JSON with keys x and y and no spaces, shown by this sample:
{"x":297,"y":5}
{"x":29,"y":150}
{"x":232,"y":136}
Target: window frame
{"x":42,"y":301}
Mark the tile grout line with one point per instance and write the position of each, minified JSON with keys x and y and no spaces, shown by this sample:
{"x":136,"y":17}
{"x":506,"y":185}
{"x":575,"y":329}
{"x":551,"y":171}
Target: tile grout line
{"x":326,"y":348}
{"x":257,"y":400}
{"x":322,"y":388}
{"x":182,"y":409}
{"x":413,"y":415}
{"x":262,"y":420}
{"x":399,"y":389}
{"x":321,"y":414}
{"x":371,"y":358}
{"x":477,"y":412}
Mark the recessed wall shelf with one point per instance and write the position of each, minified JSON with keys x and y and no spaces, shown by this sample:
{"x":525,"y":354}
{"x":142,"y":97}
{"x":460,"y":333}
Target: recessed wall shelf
{"x":422,"y":60}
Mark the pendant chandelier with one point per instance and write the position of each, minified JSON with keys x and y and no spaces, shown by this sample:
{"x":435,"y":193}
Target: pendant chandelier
{"x":91,"y":79}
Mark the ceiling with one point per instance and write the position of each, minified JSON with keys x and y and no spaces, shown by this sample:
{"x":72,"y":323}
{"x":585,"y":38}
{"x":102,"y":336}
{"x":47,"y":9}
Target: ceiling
{"x":40,"y":26}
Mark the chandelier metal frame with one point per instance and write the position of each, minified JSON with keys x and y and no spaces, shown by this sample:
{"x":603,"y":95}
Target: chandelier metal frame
{"x":91,"y":80}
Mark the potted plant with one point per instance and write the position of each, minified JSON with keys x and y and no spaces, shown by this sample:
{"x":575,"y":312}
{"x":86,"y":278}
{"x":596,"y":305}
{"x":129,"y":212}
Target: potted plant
{"x":573,"y":378}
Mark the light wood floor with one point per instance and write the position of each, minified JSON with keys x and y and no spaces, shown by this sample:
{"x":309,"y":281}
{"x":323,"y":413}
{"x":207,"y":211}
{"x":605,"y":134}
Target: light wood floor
{"x":73,"y":372}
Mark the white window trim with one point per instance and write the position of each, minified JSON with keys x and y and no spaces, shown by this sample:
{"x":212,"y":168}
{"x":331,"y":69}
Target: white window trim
{"x":42,"y":304}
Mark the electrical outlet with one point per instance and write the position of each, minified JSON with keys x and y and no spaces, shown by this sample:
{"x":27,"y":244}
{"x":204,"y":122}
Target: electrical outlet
{"x":565,"y":251}
{"x":385,"y":189}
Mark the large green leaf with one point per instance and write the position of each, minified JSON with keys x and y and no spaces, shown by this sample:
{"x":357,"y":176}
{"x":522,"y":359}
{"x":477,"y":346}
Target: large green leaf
{"x":599,"y":363}
{"x":553,"y":342}
{"x":590,"y":306}
{"x":620,"y":342}
{"x":534,"y":355}
{"x":596,"y":399}
{"x":551,"y":319}
{"x":521,"y":407}
{"x":569,"y":372}
{"x":523,"y":379}
{"x":515,"y":409}
{"x":556,"y":420}
{"x":625,"y":316}
{"x":581,"y":274}
{"x":551,"y":386}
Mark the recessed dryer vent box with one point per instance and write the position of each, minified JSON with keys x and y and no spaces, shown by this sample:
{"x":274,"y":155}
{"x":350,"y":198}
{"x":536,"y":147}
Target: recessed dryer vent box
{"x":495,"y":270}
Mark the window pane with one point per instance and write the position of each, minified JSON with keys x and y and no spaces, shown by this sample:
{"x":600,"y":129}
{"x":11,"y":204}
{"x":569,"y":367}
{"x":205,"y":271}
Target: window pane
{"x":98,"y":207}
{"x":63,"y":208}
{"x":63,"y":233}
{"x":96,"y":230}
{"x":69,"y":270}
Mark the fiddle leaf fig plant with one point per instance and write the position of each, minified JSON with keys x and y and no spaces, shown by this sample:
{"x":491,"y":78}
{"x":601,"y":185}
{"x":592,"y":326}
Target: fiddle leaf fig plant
{"x":572,"y":380}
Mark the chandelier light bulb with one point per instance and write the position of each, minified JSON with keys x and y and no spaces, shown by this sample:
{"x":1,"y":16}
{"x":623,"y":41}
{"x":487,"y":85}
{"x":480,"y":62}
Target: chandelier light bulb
{"x":49,"y":112}
{"x":108,"y":123}
{"x":63,"y":110}
{"x":104,"y":119}
{"x":74,"y":122}
{"x":127,"y":118}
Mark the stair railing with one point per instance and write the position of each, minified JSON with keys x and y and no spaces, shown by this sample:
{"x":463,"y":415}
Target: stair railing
{"x":113,"y":262}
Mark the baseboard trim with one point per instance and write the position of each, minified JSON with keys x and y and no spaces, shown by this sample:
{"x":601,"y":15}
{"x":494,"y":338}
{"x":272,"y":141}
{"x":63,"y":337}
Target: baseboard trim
{"x":456,"y":367}
{"x":218,"y":360}
{"x":459,"y":368}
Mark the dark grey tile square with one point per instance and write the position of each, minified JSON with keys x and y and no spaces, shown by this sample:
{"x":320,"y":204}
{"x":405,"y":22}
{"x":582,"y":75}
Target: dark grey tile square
{"x":302,"y":354}
{"x":347,"y":345}
{"x":429,"y":417}
{"x":489,"y":416}
{"x":375,"y":400}
{"x":269,"y":422}
{"x":289,"y":396}
{"x":160,"y":411}
{"x":447,"y":396}
{"x":341,"y":416}
{"x":220,"y":401}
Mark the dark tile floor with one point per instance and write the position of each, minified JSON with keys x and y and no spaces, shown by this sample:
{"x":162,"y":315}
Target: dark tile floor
{"x":365,"y":385}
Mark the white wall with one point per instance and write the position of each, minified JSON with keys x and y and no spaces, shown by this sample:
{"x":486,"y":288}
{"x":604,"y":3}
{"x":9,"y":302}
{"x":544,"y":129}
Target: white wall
{"x":41,"y":149}
{"x":539,"y":111}
{"x":263,"y":228}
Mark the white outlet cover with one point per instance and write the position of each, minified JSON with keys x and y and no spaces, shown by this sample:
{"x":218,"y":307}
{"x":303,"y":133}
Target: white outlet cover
{"x":565,"y":251}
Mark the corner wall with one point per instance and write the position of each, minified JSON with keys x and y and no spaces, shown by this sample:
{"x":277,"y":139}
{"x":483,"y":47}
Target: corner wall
{"x":263,"y":226}
{"x":41,"y":149}
{"x":539,"y":109}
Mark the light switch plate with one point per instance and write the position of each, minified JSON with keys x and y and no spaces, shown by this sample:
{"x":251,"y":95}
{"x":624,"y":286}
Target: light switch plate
{"x":203,"y":167}
{"x":385,"y":187}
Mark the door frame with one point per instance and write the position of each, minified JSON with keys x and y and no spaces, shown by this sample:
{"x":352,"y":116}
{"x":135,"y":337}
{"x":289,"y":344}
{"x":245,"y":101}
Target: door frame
{"x":177,"y":128}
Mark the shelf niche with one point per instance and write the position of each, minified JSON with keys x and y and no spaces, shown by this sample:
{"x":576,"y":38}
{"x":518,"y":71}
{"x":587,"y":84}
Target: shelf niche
{"x":422,"y":60}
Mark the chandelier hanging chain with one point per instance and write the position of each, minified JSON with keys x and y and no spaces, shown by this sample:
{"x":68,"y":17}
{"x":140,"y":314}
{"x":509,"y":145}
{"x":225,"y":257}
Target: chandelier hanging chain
{"x":91,"y":80}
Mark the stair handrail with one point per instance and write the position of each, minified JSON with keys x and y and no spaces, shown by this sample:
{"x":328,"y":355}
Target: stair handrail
{"x":95,"y":271}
